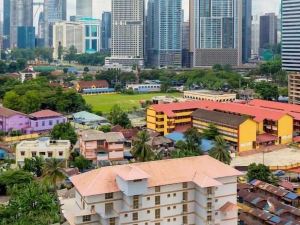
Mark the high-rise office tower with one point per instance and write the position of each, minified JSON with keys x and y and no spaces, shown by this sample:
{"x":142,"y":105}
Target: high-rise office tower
{"x":255,"y":36}
{"x":268,"y":30}
{"x":127,"y":32}
{"x":26,"y":37}
{"x":6,"y":23}
{"x":216,"y":32}
{"x":247,"y":29}
{"x":164,"y":33}
{"x":106,"y":31}
{"x":21,"y":15}
{"x":290,"y":35}
{"x":290,"y":50}
{"x":84,"y":8}
{"x":186,"y":62}
{"x":54,"y":11}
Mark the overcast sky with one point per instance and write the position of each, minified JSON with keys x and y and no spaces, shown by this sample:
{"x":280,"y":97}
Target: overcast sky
{"x":259,"y":6}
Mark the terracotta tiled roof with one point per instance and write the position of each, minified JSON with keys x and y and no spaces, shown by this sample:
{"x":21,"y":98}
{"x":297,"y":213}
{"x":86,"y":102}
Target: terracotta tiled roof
{"x":8,"y":112}
{"x":45,"y":113}
{"x":163,"y":172}
{"x":228,"y":206}
{"x":96,"y":83}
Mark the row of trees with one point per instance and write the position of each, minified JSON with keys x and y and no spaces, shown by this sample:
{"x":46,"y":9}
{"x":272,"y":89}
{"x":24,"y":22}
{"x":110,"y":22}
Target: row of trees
{"x":36,"y":94}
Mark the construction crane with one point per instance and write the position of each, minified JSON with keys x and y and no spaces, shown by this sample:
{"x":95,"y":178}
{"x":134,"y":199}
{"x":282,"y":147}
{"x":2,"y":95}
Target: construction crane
{"x":39,"y":4}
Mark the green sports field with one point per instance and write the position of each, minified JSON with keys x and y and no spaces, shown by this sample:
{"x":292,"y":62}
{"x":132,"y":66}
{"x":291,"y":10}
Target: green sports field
{"x":104,"y":102}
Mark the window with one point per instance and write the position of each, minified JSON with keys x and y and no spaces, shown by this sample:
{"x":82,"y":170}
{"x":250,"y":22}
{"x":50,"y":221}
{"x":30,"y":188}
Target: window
{"x":22,"y":153}
{"x":60,"y":153}
{"x":157,"y":223}
{"x":57,"y":121}
{"x":184,"y":185}
{"x":109,"y":207}
{"x":209,"y":205}
{"x":36,"y":124}
{"x":174,"y":207}
{"x":169,"y":208}
{"x":93,"y":208}
{"x":43,"y":153}
{"x":184,"y":208}
{"x":135,"y":216}
{"x":209,"y":191}
{"x":157,"y":213}
{"x":112,"y":221}
{"x":169,"y":195}
{"x":86,"y":218}
{"x":43,"y":123}
{"x":33,"y":154}
{"x":174,"y":195}
{"x":209,"y":218}
{"x":157,"y":200}
{"x":126,"y":215}
{"x":184,"y":220}
{"x":169,"y":220}
{"x":148,"y":211}
{"x":136,"y":202}
{"x":50,"y":122}
{"x":174,"y":219}
{"x":157,"y":189}
{"x":185,"y":196}
{"x":109,"y":195}
{"x":148,"y":198}
{"x":50,"y":154}
{"x":139,"y":180}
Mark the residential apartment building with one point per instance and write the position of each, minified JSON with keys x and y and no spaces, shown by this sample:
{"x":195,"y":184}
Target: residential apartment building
{"x":290,"y":17}
{"x":67,"y":34}
{"x":209,"y":95}
{"x":272,"y":126}
{"x":43,"y":147}
{"x":197,"y":190}
{"x":294,"y":88}
{"x":96,"y":145}
{"x":127,"y":33}
{"x":216,"y":32}
{"x":164,"y":33}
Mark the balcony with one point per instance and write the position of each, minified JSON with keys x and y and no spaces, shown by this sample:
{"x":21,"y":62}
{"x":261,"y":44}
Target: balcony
{"x":110,"y":214}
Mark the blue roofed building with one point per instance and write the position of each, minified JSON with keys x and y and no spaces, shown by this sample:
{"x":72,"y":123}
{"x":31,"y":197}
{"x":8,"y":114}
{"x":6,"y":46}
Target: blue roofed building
{"x":90,"y":119}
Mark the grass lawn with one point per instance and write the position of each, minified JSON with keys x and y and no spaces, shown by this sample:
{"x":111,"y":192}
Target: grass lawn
{"x":104,"y":102}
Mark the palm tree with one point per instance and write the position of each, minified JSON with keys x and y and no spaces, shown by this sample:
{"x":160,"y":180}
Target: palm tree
{"x":221,"y":150}
{"x":141,"y":150}
{"x":52,"y":171}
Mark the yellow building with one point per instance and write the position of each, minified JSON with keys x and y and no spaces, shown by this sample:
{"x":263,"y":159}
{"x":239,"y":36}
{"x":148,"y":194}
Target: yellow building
{"x":238,"y":130}
{"x":216,"y":96}
{"x":263,"y":127}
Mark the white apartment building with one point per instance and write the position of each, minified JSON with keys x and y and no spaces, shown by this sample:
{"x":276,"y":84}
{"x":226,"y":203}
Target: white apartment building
{"x":67,"y":34}
{"x":197,"y":190}
{"x":127,"y":32}
{"x":43,"y":147}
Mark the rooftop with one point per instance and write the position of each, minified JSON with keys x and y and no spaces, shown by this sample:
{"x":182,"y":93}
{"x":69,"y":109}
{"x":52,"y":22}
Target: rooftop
{"x":9,"y":112}
{"x":208,"y":92}
{"x":203,"y":169}
{"x":89,"y":84}
{"x":94,"y":135}
{"x":45,"y":114}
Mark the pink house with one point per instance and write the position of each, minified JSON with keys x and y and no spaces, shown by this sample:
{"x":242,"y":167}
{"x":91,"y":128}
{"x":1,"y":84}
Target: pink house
{"x":45,"y":120}
{"x":96,"y":145}
{"x":11,"y":120}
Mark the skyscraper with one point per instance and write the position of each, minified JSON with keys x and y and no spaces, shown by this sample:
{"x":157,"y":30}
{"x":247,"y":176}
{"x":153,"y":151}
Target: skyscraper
{"x":54,"y":11}
{"x":186,"y":62}
{"x":106,"y":31}
{"x":6,"y":23}
{"x":268,"y":30}
{"x":127,"y":32}
{"x":290,"y":35}
{"x":216,"y":32}
{"x":255,"y":36}
{"x":84,"y":8}
{"x":21,"y":14}
{"x":164,"y":33}
{"x":26,"y":37}
{"x":247,"y":29}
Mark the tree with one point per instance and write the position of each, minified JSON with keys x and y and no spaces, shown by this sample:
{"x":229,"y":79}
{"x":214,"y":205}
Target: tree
{"x":64,"y":131}
{"x":60,"y":51}
{"x":52,"y":171}
{"x":30,"y":204}
{"x":260,"y":172}
{"x":3,"y":67}
{"x":82,"y":163}
{"x":118,"y":117}
{"x":267,"y":90}
{"x":71,"y":54}
{"x":34,"y":165}
{"x":14,"y":177}
{"x":65,"y":70}
{"x":141,"y":150}
{"x":86,"y":69}
{"x":211,"y":132}
{"x":221,"y":151}
{"x":105,"y":128}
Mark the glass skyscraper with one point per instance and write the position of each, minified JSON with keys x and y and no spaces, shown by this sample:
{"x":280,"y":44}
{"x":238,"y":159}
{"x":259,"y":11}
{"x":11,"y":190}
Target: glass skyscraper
{"x":164,"y":33}
{"x":6,"y":23}
{"x":247,"y":29}
{"x":290,"y":35}
{"x":216,"y":32}
{"x":26,"y":37}
{"x":106,"y":31}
